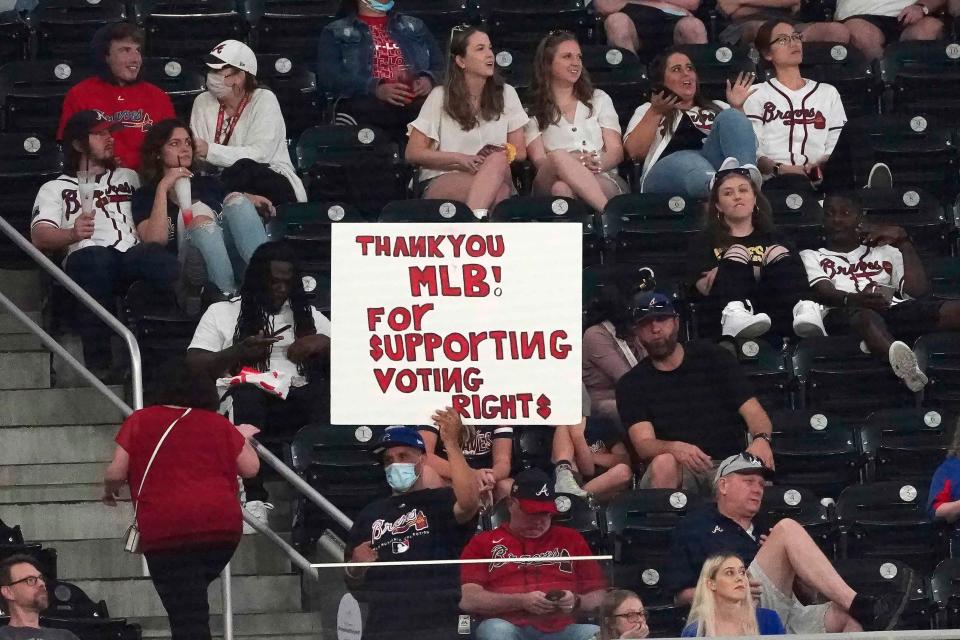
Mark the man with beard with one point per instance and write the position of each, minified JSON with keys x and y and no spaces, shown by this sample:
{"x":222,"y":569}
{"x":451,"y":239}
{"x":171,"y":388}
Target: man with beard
{"x":24,"y":590}
{"x":104,"y":253}
{"x":686,"y":406}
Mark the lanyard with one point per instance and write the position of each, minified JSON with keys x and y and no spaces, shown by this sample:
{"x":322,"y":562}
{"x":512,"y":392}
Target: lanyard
{"x":231,"y":122}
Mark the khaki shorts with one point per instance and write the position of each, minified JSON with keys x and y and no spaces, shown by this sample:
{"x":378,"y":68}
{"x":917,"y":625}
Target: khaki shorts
{"x":796,"y":617}
{"x":694,"y":482}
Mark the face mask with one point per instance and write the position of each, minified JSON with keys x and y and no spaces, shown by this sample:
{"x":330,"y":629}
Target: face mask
{"x":218,"y":86}
{"x":379,"y":6}
{"x":401,"y":476}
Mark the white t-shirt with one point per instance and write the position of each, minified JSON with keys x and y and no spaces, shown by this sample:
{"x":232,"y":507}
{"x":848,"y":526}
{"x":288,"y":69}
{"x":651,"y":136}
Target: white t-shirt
{"x":447,"y":135}
{"x":260,"y":134}
{"x":702,"y":119}
{"x":795,"y":127}
{"x":219,"y":322}
{"x":890,"y":8}
{"x":855,"y":271}
{"x":58,"y":205}
{"x":585,"y":133}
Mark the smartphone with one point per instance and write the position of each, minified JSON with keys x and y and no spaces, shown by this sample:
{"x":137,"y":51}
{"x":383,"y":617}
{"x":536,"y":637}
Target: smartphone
{"x":488,"y":149}
{"x":667,"y":93}
{"x":554,"y":595}
{"x":277,"y":333}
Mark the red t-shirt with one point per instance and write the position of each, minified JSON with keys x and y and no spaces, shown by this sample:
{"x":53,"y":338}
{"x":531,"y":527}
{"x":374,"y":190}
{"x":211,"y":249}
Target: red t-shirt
{"x":387,"y":55}
{"x":190,"y":495}
{"x":136,"y":106}
{"x":582,"y":576}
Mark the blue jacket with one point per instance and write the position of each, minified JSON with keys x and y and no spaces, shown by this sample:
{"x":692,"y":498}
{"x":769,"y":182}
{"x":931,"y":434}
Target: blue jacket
{"x":768,"y":624}
{"x":345,"y":60}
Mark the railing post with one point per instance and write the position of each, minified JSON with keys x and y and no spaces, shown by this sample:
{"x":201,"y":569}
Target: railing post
{"x":227,"y":600}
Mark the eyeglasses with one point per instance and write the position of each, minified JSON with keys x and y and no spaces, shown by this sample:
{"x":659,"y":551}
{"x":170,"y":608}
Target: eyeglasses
{"x":30,"y":580}
{"x":632,"y":616}
{"x":785,"y":39}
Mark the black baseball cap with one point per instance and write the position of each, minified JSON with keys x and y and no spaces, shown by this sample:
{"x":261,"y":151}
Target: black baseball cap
{"x":83,"y":123}
{"x":533,"y":489}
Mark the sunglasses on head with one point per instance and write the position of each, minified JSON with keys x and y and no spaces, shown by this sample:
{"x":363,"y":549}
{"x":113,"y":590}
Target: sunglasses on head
{"x":746,"y":456}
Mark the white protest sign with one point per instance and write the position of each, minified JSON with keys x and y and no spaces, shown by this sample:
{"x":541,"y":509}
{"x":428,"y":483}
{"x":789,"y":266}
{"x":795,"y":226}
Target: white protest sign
{"x":481,"y":317}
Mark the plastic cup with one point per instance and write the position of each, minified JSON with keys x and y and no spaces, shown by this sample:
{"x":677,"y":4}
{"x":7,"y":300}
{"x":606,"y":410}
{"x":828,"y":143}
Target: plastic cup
{"x":182,"y":188}
{"x":404,"y":75}
{"x":86,"y":187}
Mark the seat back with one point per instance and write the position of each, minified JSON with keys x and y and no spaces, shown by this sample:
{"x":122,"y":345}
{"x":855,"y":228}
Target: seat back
{"x":640,"y":523}
{"x":295,"y":85}
{"x":427,"y":211}
{"x":798,"y":214}
{"x":801,"y":505}
{"x":289,"y":28}
{"x":882,"y":576}
{"x":182,"y":80}
{"x":522,"y":23}
{"x":27,"y":161}
{"x":906,"y":443}
{"x":945,"y":592}
{"x":533,"y":447}
{"x":64,"y":28}
{"x":553,"y":209}
{"x":846,"y":68}
{"x":620,"y":74}
{"x":651,"y":226}
{"x":32,"y":92}
{"x":14,"y":39}
{"x":188,"y":28}
{"x":925,"y":77}
{"x":939,"y":356}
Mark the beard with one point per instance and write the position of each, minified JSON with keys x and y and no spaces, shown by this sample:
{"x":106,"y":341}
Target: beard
{"x":41,"y":601}
{"x":661,"y":348}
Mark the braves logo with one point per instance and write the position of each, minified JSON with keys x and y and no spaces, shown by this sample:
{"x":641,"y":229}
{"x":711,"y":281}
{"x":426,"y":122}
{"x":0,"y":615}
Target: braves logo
{"x":414,"y":519}
{"x":859,"y":271}
{"x":790,"y":117}
{"x":553,"y":556}
{"x":219,"y":48}
{"x":130,"y":119}
{"x":114,"y":193}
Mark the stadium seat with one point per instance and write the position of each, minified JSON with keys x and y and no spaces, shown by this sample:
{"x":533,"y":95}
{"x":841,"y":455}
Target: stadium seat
{"x":646,"y":578}
{"x":307,"y":226}
{"x":522,"y":23}
{"x":640,"y":523}
{"x":516,"y":67}
{"x":642,"y":227}
{"x":289,"y":28}
{"x":916,"y":210}
{"x":427,"y":211}
{"x":847,"y":69}
{"x":14,"y":39}
{"x":182,"y":80}
{"x":888,"y":521}
{"x":441,"y":16}
{"x":945,"y":591}
{"x":554,"y":209}
{"x":188,"y":28}
{"x":295,"y":86}
{"x":906,"y":443}
{"x":925,"y":76}
{"x":939,"y":356}
{"x":880,"y":576}
{"x":620,"y":73}
{"x":944,"y":275}
{"x":31,"y":93}
{"x":69,"y":601}
{"x":835,"y":375}
{"x":717,"y":63}
{"x":768,"y":368}
{"x":798,"y":214}
{"x":799,"y":504}
{"x":64,"y":28}
{"x":533,"y":447}
{"x":94,"y":628}
{"x":815,"y":450}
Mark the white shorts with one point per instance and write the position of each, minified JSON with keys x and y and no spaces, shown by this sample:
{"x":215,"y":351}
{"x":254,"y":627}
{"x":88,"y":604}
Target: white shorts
{"x":796,"y":617}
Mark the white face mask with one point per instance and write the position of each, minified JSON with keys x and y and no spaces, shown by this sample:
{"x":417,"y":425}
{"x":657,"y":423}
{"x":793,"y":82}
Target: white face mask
{"x":218,"y":86}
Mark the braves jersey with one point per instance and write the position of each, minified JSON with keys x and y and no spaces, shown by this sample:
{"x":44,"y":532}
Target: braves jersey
{"x":553,"y":573}
{"x":795,"y":127}
{"x":137,"y":107}
{"x":58,"y":205}
{"x":856,"y":271}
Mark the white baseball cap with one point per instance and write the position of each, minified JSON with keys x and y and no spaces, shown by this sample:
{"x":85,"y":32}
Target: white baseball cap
{"x":233,"y":53}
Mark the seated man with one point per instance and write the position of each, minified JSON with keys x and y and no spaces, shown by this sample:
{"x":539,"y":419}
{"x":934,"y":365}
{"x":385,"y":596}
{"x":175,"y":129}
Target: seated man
{"x":748,"y":15}
{"x":24,"y":591}
{"x":104,"y":254}
{"x":776,"y":558}
{"x":871,"y":278}
{"x":686,"y":406}
{"x":414,"y":523}
{"x":594,"y":450}
{"x":488,"y":450}
{"x":531,"y":601}
{"x":650,"y":26}
{"x":872,"y":25}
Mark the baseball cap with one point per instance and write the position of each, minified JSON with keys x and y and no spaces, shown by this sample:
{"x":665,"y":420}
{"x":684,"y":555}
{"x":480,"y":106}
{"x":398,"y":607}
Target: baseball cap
{"x":533,"y":489}
{"x":651,"y":304}
{"x":83,"y":123}
{"x":399,"y":436}
{"x":233,"y":53}
{"x":743,"y":462}
{"x":732,"y":165}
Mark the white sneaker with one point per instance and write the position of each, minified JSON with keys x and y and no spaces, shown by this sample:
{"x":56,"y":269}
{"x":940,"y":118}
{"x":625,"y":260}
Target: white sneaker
{"x":880,"y":177}
{"x":259,"y":510}
{"x":808,"y":319}
{"x":739,"y":321}
{"x":564,"y":482}
{"x":903,"y":361}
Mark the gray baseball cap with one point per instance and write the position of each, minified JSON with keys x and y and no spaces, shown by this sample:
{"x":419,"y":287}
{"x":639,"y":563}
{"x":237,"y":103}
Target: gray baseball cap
{"x":744,"y":462}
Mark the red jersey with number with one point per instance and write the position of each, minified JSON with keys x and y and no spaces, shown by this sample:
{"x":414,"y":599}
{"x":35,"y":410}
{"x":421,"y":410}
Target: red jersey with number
{"x":553,"y":573}
{"x":136,"y":107}
{"x":387,"y":55}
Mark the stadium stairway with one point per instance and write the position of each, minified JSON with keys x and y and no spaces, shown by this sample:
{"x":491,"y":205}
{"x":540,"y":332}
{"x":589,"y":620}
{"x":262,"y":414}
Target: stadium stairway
{"x":55,"y":443}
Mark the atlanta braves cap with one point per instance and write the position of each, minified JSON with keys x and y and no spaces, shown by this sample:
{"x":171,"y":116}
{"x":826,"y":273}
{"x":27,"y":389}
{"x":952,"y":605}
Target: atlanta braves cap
{"x":83,"y":123}
{"x":744,"y":462}
{"x":233,"y":53}
{"x":533,"y":489}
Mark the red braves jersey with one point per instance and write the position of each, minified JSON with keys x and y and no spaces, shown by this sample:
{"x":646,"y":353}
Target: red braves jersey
{"x":136,"y":106}
{"x":582,"y":576}
{"x":795,"y":127}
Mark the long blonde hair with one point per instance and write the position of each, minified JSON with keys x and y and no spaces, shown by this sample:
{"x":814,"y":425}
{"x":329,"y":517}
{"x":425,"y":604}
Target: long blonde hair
{"x":703,"y":610}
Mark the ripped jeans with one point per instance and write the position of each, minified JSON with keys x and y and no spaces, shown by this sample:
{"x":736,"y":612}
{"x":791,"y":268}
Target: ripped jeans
{"x":226,"y":245}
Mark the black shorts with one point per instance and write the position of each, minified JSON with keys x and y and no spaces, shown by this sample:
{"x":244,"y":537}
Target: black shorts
{"x":889,"y":26}
{"x":908,"y":320}
{"x":654,"y":27}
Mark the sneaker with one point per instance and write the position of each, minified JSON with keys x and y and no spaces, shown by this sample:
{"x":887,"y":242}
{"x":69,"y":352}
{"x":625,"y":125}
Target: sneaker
{"x":884,"y":611}
{"x":259,"y":510}
{"x":880,"y":177}
{"x":808,"y":319}
{"x":565,"y":482}
{"x":903,"y":361}
{"x":739,"y":321}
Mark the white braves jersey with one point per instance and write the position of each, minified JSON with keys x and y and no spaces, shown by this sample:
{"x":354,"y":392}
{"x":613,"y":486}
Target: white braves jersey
{"x":795,"y":127}
{"x":58,"y":205}
{"x":854,"y":271}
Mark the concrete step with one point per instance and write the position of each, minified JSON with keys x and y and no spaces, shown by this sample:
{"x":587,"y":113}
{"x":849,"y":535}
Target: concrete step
{"x":20,"y":342}
{"x":24,"y":370}
{"x":248,"y":626}
{"x":42,"y":407}
{"x":127,"y":598}
{"x":48,"y":474}
{"x":23,"y":288}
{"x":74,"y":444}
{"x":105,"y":559}
{"x":9,"y":324}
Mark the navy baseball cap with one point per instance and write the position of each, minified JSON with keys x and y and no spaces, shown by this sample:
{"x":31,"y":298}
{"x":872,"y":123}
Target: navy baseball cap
{"x":533,"y":489}
{"x":652,"y":304}
{"x":399,"y":436}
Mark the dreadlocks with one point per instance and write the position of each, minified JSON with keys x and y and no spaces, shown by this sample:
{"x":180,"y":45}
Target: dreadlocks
{"x":255,"y":298}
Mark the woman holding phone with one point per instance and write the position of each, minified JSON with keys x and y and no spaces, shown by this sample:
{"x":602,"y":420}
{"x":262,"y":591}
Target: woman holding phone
{"x":469,"y":130}
{"x":681,"y":137}
{"x":573,"y":137}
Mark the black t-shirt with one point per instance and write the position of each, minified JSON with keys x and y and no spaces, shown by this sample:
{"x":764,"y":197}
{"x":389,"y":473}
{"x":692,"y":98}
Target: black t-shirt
{"x":704,"y":254}
{"x":697,"y":402}
{"x":478,"y":451}
{"x":415,"y":526}
{"x":701,"y":534}
{"x":205,"y":189}
{"x":29,"y":633}
{"x":686,"y":138}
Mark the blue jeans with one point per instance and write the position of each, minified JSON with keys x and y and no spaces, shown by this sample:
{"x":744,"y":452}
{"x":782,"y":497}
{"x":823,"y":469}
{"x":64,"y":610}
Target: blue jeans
{"x":499,"y":629}
{"x":689,"y":172}
{"x":226,"y":247}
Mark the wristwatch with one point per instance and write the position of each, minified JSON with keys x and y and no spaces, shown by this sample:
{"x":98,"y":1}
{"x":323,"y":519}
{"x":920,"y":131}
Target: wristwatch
{"x":762,"y":436}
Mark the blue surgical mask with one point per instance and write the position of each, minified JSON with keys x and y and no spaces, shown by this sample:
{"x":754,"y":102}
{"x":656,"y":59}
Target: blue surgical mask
{"x":379,"y":6}
{"x":401,"y":476}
